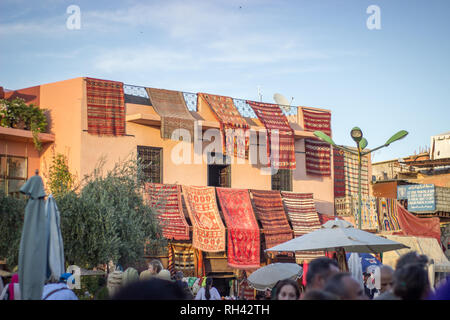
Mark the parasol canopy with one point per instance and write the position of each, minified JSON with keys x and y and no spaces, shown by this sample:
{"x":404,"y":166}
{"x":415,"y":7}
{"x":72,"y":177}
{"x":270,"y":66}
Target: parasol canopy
{"x":267,"y":277}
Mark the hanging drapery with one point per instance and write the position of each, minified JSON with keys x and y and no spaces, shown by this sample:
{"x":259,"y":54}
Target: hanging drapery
{"x":351,"y":174}
{"x":269,"y":208}
{"x":339,"y":173}
{"x":243,"y":229}
{"x":369,"y":215}
{"x":302,"y":213}
{"x":387,"y":214}
{"x":105,"y":107}
{"x":233,"y":127}
{"x":415,"y":226}
{"x":281,"y":156}
{"x":166,"y":199}
{"x":171,"y":107}
{"x":318,"y":158}
{"x":208,"y":230}
{"x":184,"y":257}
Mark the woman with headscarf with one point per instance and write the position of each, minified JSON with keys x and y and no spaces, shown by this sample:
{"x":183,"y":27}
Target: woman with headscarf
{"x":12,"y":290}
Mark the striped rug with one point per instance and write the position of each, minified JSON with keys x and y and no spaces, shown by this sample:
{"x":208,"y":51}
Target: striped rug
{"x":268,"y":207}
{"x":166,"y":199}
{"x":303,"y":215}
{"x":351,"y":174}
{"x":105,"y":107}
{"x":387,"y":214}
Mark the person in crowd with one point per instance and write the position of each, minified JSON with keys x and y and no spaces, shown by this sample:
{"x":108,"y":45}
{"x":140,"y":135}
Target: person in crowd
{"x":154,"y":267}
{"x":319,"y":271}
{"x":411,"y":258}
{"x":208,"y":292}
{"x":287,"y":290}
{"x":59,"y":290}
{"x":179,"y":279}
{"x":386,"y":279}
{"x":260,"y":295}
{"x":130,"y":275}
{"x":114,"y":282}
{"x":369,"y":290}
{"x":153,"y":289}
{"x":411,"y":282}
{"x":164,"y":274}
{"x":12,"y":290}
{"x":315,"y":294}
{"x":345,"y":287}
{"x":442,"y":291}
{"x":268,"y":294}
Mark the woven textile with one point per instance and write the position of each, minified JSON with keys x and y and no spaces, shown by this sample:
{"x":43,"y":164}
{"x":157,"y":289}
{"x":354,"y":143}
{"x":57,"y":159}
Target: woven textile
{"x":302,"y":213}
{"x":233,"y":126}
{"x":369,"y":215}
{"x":339,"y":173}
{"x":281,"y":156}
{"x":105,"y":107}
{"x":208,"y":230}
{"x":318,"y":158}
{"x":415,"y":226}
{"x":171,"y":107}
{"x":351,"y":174}
{"x":243,"y":229}
{"x":387,"y":214}
{"x":269,"y":209}
{"x":182,"y":259}
{"x":245,"y":291}
{"x":166,"y":198}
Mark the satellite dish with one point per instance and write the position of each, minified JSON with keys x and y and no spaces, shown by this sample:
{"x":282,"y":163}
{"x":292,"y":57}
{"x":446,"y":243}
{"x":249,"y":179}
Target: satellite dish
{"x":282,"y":101}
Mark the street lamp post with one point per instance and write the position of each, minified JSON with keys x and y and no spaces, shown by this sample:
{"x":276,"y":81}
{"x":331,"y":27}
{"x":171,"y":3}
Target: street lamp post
{"x":361,"y":144}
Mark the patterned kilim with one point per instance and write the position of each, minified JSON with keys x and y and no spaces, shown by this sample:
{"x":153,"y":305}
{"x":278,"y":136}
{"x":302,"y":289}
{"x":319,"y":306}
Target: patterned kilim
{"x":183,"y":259}
{"x":387,"y":214}
{"x":270,"y":211}
{"x":233,"y":126}
{"x":339,"y":173}
{"x":171,"y":106}
{"x":369,"y":215}
{"x":243,"y":229}
{"x":282,"y":156}
{"x":208,"y":230}
{"x":105,"y":107}
{"x":351,"y":174}
{"x":167,"y":200}
{"x":318,"y":158}
{"x":302,"y":213}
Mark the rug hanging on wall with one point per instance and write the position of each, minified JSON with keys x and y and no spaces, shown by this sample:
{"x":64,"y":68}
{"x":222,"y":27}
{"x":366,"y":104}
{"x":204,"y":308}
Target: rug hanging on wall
{"x":208,"y":230}
{"x":339,"y":173}
{"x":105,"y":107}
{"x":269,"y":208}
{"x":281,"y":155}
{"x":351,"y":174}
{"x":166,"y":198}
{"x":171,"y":107}
{"x":369,"y":215}
{"x":318,"y":158}
{"x":303,"y":215}
{"x":233,"y":127}
{"x":387,"y":214}
{"x":243,"y":229}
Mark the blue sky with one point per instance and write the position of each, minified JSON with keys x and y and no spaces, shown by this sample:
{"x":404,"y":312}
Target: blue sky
{"x":319,"y":52}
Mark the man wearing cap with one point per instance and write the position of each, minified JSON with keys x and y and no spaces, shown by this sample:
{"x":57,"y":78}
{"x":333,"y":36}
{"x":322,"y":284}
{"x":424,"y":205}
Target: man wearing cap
{"x":59,"y":291}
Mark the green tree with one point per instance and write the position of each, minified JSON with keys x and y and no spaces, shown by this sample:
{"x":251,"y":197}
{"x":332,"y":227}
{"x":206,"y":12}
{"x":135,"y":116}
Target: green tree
{"x":60,"y":180}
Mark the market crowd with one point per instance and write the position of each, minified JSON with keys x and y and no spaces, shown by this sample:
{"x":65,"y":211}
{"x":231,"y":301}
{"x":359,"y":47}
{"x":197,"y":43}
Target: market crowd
{"x":324,"y":281}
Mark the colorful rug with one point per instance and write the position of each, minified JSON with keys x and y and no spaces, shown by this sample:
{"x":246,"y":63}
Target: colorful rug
{"x":184,"y":257}
{"x":369,"y":215}
{"x":171,"y":107}
{"x":269,"y":209}
{"x":339,"y":173}
{"x":105,"y":107}
{"x":233,"y":126}
{"x":318,"y":158}
{"x":243,"y":229}
{"x":351,"y":175}
{"x":208,"y":230}
{"x":281,"y":156}
{"x":302,"y":213}
{"x":166,"y":198}
{"x":387,"y":214}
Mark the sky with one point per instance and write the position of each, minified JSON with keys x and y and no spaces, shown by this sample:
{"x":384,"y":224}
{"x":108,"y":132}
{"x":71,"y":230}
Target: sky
{"x":321,"y":53}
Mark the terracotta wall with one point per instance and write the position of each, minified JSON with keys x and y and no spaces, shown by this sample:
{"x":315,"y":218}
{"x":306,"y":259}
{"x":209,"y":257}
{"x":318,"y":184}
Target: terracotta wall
{"x":22,"y":149}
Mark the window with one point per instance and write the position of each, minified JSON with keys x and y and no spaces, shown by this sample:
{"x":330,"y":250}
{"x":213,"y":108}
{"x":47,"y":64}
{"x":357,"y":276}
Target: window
{"x":151,"y":159}
{"x":219,"y":175}
{"x":282,"y":180}
{"x":13,"y":173}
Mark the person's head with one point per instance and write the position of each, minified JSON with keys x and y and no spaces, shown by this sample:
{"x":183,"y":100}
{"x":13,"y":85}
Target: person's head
{"x":155,"y":266}
{"x":268,"y":294}
{"x":153,"y":289}
{"x":345,"y":287}
{"x":179,"y":275}
{"x":410,"y":258}
{"x":411,"y":282}
{"x":319,"y":271}
{"x":386,"y":278}
{"x":129,"y":275}
{"x":318,"y":295}
{"x":208,"y":286}
{"x":287,"y":290}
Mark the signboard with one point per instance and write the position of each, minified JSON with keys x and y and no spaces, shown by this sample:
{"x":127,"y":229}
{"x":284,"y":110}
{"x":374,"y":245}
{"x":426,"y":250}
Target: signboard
{"x":401,"y":192}
{"x":421,"y":197}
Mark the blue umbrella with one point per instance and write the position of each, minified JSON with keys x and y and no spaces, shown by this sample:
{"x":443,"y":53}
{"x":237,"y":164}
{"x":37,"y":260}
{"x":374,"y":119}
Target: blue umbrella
{"x":366,"y":260}
{"x":55,"y":242}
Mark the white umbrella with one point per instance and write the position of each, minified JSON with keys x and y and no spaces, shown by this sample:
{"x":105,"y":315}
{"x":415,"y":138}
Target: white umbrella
{"x":267,"y":276}
{"x":339,"y":234}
